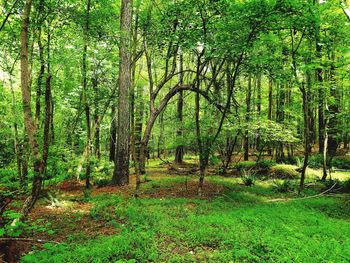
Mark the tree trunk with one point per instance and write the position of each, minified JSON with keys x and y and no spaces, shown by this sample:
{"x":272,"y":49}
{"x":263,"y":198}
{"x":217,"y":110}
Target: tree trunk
{"x":121,"y":168}
{"x":42,"y":65}
{"x":202,"y":166}
{"x":333,"y":130}
{"x":16,"y":145}
{"x":85,"y":93}
{"x":47,"y":120}
{"x":258,"y":107}
{"x":28,"y":116}
{"x":113,"y":134}
{"x":139,"y":166}
{"x":132,"y":91}
{"x":97,"y":144}
{"x":247,"y":118}
{"x":306,"y":138}
{"x":180,"y":149}
{"x":280,"y":118}
{"x":270,"y":109}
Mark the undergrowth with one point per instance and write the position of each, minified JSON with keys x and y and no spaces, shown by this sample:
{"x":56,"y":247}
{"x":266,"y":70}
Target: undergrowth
{"x":236,"y":226}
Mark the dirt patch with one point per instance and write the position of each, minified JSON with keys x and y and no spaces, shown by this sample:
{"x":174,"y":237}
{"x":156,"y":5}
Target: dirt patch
{"x":185,"y":190}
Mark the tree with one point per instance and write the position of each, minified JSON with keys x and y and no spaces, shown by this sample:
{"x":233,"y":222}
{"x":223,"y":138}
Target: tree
{"x":121,"y":170}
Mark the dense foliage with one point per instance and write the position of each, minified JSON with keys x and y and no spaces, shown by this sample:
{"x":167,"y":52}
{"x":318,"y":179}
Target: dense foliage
{"x":93,"y":93}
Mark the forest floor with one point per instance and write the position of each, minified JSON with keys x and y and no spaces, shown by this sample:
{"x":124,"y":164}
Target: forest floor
{"x":170,"y":223}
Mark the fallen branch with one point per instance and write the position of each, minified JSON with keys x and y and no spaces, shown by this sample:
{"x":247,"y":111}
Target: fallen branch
{"x":302,"y":198}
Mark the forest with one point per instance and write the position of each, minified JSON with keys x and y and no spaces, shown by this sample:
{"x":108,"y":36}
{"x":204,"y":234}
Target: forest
{"x":175,"y":131}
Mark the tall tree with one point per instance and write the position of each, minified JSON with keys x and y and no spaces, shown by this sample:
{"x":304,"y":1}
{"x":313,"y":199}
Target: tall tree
{"x":121,"y":168}
{"x":179,"y":153}
{"x":28,"y":116}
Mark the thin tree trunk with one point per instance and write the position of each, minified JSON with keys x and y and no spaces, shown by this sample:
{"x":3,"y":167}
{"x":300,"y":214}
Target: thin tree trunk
{"x":113,"y":134}
{"x":180,"y":149}
{"x":324,"y":163}
{"x":16,"y":136}
{"x":138,"y":137}
{"x":85,"y":93}
{"x":258,"y":107}
{"x":97,"y":144}
{"x":247,"y":118}
{"x":198,"y":131}
{"x":306,"y":138}
{"x":160,"y":145}
{"x":132,"y":90}
{"x":270,"y":109}
{"x":42,"y":65}
{"x":280,"y":118}
{"x":47,"y":120}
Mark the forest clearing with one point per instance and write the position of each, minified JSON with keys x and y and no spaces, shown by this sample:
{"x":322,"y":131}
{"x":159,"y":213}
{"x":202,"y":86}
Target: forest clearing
{"x":175,"y":131}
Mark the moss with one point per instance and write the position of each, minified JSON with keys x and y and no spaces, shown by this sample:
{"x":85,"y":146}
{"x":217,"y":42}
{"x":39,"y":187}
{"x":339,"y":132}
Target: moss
{"x":284,"y":171}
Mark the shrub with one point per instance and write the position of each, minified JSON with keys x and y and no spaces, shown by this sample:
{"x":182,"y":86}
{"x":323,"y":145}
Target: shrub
{"x":283,"y":186}
{"x":341,"y":162}
{"x":346,"y":186}
{"x":316,"y":161}
{"x":248,"y":178}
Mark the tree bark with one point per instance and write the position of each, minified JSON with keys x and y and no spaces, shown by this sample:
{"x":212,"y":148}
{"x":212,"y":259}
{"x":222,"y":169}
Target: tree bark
{"x":85,"y":95}
{"x":28,"y":116}
{"x":97,"y":144}
{"x":270,"y":107}
{"x":247,"y":118}
{"x":258,"y":107}
{"x":333,"y":130}
{"x":113,"y":134}
{"x":42,"y":65}
{"x":121,"y":168}
{"x":202,"y":165}
{"x":179,"y":153}
{"x":16,"y":144}
{"x":306,"y":137}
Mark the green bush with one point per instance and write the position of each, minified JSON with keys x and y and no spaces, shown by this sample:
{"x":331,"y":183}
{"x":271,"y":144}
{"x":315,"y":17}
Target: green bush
{"x":248,"y":178}
{"x":346,"y":186}
{"x":283,"y":186}
{"x":316,"y":161}
{"x":341,"y":162}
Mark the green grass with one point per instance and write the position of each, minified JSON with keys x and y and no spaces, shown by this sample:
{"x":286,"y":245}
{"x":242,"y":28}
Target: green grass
{"x":235,"y":226}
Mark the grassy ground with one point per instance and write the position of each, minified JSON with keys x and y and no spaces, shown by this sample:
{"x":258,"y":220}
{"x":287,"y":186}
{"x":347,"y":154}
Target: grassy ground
{"x":169,"y":223}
